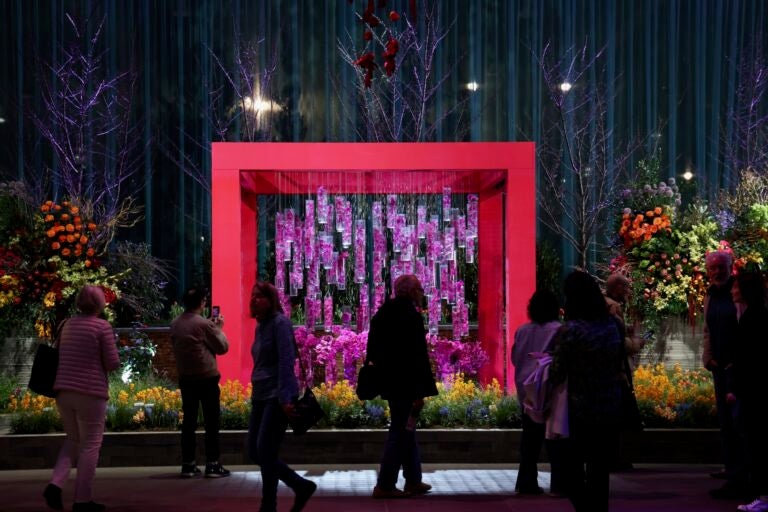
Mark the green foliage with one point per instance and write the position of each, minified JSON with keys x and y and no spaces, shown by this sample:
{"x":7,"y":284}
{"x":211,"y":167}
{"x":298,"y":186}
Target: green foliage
{"x":548,"y":267}
{"x":136,"y":354}
{"x":36,"y":422}
{"x":9,"y":384}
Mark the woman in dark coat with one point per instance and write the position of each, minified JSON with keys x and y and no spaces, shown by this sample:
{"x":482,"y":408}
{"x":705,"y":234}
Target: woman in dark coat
{"x":747,"y":389}
{"x":588,"y":355}
{"x":397,"y":345}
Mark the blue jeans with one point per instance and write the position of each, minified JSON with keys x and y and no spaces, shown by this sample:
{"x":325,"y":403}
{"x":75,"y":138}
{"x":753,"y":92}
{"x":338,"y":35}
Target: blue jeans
{"x":193,"y":394}
{"x":400,"y":449}
{"x":266,"y":430}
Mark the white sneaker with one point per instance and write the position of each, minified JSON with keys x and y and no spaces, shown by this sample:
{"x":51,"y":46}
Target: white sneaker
{"x":756,"y":506}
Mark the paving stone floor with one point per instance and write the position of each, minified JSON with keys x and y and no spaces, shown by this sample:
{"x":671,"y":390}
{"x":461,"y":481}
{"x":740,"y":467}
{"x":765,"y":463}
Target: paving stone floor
{"x":342,"y":488}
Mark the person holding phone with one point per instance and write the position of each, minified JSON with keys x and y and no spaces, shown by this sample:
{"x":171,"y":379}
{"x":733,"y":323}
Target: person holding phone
{"x":196,"y":343}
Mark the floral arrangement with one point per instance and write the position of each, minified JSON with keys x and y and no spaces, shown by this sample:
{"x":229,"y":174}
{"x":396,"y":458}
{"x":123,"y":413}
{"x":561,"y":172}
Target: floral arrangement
{"x":667,"y":398}
{"x":454,"y":356}
{"x":47,"y":254}
{"x":341,"y":352}
{"x":683,"y":398}
{"x":664,"y":261}
{"x":663,"y":251}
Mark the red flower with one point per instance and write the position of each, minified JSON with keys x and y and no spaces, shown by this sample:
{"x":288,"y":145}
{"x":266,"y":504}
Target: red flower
{"x":368,"y":35}
{"x":393,"y":16}
{"x":109,"y":295}
{"x":392,"y":48}
{"x":368,"y":17}
{"x":367,"y":62}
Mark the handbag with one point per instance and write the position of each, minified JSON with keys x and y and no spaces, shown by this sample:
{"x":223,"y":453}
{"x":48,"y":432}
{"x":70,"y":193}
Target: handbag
{"x":45,"y":366}
{"x":306,"y":409}
{"x":368,"y":381}
{"x":307,"y":412}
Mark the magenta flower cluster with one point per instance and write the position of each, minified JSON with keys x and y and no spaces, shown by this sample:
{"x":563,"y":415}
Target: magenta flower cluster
{"x":341,"y":352}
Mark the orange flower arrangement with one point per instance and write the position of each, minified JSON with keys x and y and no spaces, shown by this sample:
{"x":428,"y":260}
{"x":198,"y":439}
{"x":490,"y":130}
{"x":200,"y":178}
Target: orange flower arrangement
{"x":45,"y":258}
{"x":641,"y":227}
{"x":68,"y":231}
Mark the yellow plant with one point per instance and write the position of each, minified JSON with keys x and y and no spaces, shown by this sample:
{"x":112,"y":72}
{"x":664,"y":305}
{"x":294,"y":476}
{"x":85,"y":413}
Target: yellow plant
{"x":342,"y":394}
{"x":30,"y":402}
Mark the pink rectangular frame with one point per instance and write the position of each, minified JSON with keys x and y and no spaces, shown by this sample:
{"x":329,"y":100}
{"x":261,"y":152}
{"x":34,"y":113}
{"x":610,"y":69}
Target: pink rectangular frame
{"x":502,"y":173}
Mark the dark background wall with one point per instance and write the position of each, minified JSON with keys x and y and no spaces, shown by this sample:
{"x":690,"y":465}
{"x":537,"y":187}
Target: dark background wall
{"x":673,"y":66}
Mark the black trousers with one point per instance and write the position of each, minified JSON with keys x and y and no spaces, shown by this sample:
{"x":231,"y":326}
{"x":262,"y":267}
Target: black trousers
{"x":590,"y":450}
{"x":531,"y":441}
{"x":193,"y":394}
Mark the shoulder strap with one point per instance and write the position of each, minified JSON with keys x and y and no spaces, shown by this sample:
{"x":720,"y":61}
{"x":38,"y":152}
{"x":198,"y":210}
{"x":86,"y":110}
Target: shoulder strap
{"x":295,"y":346}
{"x":59,"y":330}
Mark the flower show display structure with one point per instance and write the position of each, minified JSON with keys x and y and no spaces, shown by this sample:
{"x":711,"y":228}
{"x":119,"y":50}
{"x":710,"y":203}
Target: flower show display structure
{"x":483,"y":212}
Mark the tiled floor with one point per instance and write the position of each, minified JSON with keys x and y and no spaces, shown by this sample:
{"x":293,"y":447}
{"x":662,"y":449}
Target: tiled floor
{"x":471,"y":488}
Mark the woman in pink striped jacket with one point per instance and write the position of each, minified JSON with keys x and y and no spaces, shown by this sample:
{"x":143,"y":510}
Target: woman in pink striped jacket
{"x":87,"y":353}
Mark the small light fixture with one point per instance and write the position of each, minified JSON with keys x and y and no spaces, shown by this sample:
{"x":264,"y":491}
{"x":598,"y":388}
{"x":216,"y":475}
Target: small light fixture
{"x":566,"y":86}
{"x":2,"y":120}
{"x":688,"y":175}
{"x":472,"y":86}
{"x":259,"y":105}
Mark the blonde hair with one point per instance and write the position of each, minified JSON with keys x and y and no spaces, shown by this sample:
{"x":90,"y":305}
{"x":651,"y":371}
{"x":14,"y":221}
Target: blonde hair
{"x":90,"y":300}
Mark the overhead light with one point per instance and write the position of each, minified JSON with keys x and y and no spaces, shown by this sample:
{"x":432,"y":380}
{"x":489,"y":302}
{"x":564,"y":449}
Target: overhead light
{"x":259,"y":105}
{"x":2,"y":120}
{"x":566,"y":86}
{"x":472,"y":86}
{"x":688,"y":175}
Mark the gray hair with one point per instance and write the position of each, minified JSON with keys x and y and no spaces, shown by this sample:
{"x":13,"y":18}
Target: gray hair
{"x":90,"y":300}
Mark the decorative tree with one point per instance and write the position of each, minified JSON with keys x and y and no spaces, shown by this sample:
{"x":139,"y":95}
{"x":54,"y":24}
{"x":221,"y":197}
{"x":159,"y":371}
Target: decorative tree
{"x":746,"y":147}
{"x":88,"y":120}
{"x":396,"y":95}
{"x":579,"y":171}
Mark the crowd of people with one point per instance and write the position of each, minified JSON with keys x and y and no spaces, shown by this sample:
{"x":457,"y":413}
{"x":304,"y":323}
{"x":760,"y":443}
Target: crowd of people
{"x":573,"y":373}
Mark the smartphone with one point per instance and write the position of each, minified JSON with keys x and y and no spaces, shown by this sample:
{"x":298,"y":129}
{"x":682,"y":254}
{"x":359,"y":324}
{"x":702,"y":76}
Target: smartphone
{"x":215,"y":312}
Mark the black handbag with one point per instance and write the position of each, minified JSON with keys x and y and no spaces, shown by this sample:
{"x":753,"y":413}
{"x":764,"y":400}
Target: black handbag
{"x":306,"y":413}
{"x":44,"y":368}
{"x":306,"y":409}
{"x":368,"y":381}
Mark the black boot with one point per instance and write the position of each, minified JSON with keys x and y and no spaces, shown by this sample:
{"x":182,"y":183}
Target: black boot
{"x":52,"y":495}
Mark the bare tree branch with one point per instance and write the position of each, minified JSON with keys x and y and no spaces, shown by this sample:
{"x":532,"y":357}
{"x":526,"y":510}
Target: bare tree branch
{"x":579,"y":175}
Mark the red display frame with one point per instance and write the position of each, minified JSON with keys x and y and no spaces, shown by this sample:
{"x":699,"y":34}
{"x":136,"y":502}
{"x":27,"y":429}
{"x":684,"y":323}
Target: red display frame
{"x":501,"y":173}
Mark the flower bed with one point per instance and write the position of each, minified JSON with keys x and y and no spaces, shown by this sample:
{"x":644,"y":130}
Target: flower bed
{"x":667,"y":398}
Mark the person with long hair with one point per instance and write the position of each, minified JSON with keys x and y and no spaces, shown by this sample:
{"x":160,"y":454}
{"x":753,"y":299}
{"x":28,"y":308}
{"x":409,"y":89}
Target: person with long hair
{"x":588,"y":355}
{"x":87,"y":353}
{"x":747,"y":390}
{"x":274,"y":391}
{"x":397,"y":345}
